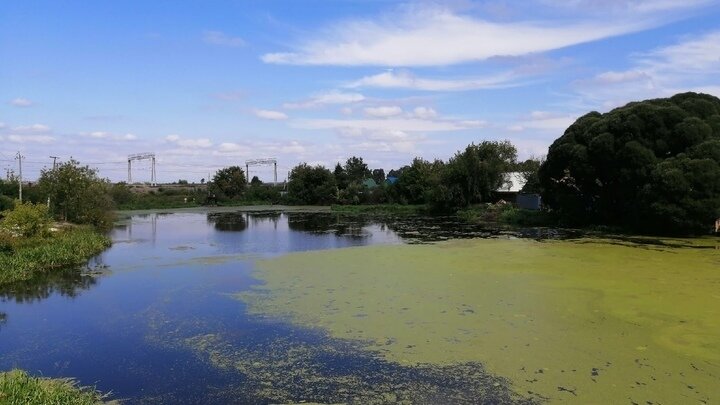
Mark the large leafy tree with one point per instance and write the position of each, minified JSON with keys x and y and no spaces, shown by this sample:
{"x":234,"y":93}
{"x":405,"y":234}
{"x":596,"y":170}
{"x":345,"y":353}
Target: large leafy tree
{"x":357,"y":170}
{"x":416,"y":180}
{"x":229,"y":182}
{"x":311,"y":185}
{"x":341,"y":176}
{"x":77,"y":194}
{"x":653,"y":166}
{"x":379,"y":176}
{"x":473,"y":175}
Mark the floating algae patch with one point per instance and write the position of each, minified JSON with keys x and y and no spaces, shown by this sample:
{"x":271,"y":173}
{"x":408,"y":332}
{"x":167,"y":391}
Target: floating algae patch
{"x":292,"y":369}
{"x":260,"y":362}
{"x":589,"y":321}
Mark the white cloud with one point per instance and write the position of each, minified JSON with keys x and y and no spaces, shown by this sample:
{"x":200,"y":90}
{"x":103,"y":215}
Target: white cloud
{"x":425,"y":113}
{"x":543,"y":121}
{"x":21,"y":102}
{"x":690,"y":65}
{"x":270,"y":115}
{"x":404,"y":79}
{"x":222,"y":39}
{"x":44,"y":139}
{"x":32,"y":129}
{"x":431,"y":36}
{"x":633,"y":6}
{"x":197,"y":143}
{"x":326,"y":98}
{"x":389,"y":124}
{"x":383,"y":111}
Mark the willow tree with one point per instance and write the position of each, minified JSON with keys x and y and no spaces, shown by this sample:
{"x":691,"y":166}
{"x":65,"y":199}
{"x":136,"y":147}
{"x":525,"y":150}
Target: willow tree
{"x":653,"y":166}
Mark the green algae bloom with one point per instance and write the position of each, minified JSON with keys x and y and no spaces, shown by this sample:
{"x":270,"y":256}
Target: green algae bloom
{"x":587,"y":321}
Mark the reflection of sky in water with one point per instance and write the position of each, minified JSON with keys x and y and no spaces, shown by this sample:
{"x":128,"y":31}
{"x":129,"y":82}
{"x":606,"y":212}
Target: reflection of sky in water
{"x":163,"y":283}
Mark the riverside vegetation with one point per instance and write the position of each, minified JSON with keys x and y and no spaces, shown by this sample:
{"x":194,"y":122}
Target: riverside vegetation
{"x":650,"y":167}
{"x":17,"y":388}
{"x":32,"y":244}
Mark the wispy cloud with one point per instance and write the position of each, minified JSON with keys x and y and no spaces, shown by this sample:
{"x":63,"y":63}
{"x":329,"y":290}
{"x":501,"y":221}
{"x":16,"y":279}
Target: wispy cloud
{"x":405,"y":79}
{"x":190,"y":143}
{"x":333,"y":97}
{"x":383,"y":111}
{"x":222,"y":39}
{"x":44,"y":139}
{"x":389,"y":124}
{"x":692,"y":64}
{"x":270,"y":115}
{"x":433,"y":36}
{"x":32,"y":129}
{"x":110,"y":136}
{"x":21,"y":102}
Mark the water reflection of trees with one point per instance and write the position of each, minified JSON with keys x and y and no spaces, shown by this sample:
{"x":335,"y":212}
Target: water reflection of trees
{"x":68,"y":283}
{"x":260,"y":217}
{"x":227,"y":221}
{"x":339,"y":225}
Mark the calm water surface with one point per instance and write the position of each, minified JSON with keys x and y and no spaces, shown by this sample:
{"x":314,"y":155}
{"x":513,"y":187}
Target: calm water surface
{"x":129,"y":323}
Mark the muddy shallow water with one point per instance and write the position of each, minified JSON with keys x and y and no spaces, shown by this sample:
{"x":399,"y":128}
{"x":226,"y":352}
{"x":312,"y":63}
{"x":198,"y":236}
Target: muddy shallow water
{"x":271,"y":307}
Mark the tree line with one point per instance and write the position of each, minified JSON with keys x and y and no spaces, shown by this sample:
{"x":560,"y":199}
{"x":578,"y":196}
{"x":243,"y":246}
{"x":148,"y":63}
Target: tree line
{"x":651,"y":166}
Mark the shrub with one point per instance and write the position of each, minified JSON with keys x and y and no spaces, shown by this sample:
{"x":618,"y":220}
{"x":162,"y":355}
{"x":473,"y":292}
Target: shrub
{"x":27,"y":219}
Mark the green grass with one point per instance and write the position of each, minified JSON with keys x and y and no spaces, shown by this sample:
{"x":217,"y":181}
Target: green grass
{"x":17,"y":387}
{"x":23,"y":258}
{"x":395,"y":209}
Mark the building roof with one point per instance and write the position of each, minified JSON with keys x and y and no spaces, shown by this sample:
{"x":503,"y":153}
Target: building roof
{"x":514,"y":182}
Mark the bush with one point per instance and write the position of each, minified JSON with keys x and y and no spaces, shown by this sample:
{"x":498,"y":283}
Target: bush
{"x":6,"y":203}
{"x":78,"y":195}
{"x":27,"y":219}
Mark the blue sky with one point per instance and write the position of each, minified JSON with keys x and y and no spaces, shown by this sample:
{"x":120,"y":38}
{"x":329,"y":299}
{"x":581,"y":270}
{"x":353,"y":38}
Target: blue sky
{"x":208,"y":84}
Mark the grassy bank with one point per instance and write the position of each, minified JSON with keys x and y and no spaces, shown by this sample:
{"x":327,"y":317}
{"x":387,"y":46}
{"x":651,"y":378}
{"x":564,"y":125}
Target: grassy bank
{"x":17,"y":387}
{"x":23,"y":258}
{"x":395,"y":209}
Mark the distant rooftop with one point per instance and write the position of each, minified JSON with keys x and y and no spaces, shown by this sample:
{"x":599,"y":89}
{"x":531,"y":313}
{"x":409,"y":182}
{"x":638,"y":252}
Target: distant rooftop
{"x":514,"y":182}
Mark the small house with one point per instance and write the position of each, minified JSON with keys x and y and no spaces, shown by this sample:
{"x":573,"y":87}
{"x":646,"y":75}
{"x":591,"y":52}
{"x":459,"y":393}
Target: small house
{"x":511,"y":191}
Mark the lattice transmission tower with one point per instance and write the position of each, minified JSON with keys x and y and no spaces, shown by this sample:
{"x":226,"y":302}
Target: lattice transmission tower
{"x":142,"y":156}
{"x":261,"y":162}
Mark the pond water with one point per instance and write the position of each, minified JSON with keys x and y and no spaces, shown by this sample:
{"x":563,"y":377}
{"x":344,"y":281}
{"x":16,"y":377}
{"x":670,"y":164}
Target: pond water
{"x":281,"y":307}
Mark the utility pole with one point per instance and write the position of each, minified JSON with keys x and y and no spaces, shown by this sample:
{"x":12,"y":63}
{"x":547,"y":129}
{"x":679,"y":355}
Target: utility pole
{"x":54,"y":158}
{"x":19,"y":158}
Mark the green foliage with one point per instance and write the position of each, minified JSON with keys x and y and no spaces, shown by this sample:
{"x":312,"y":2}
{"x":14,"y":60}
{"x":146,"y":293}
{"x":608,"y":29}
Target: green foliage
{"x":651,"y":166}
{"x":228,"y":183}
{"x":77,"y":194}
{"x":356,"y":170}
{"x":378,"y":175}
{"x":311,"y":185}
{"x":27,"y":219}
{"x":9,"y":188}
{"x":355,"y":193}
{"x":121,"y":194}
{"x":256,"y":181}
{"x":341,"y":177}
{"x":471,"y":176}
{"x":415,"y":181}
{"x":529,"y":170}
{"x":6,"y":203}
{"x":24,"y":258}
{"x":262,"y":193}
{"x":17,"y":387}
